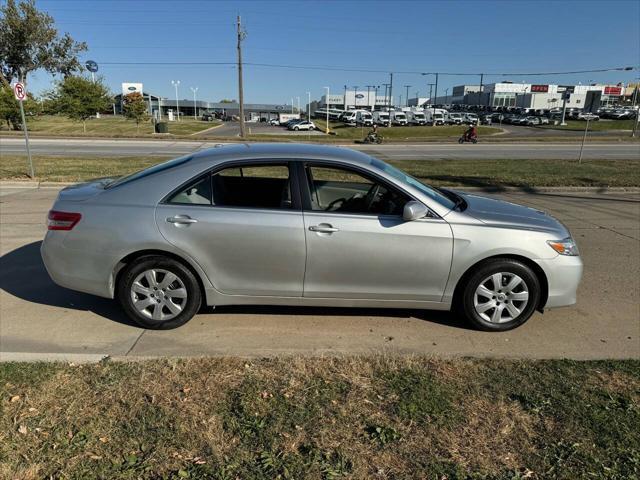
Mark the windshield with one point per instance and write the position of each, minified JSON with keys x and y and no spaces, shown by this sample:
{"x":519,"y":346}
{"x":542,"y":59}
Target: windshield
{"x":409,"y":180}
{"x":149,"y":171}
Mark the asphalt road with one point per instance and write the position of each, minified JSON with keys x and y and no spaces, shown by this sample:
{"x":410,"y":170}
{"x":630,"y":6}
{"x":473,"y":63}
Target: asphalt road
{"x":429,"y":151}
{"x":39,"y":320}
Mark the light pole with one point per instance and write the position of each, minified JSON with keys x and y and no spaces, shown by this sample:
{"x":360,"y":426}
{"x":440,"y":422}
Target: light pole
{"x":436,"y":91}
{"x":309,"y":106}
{"x":355,"y":97}
{"x":292,"y":105}
{"x":298,"y":104}
{"x":175,"y":83}
{"x":327,"y":108}
{"x":194,"y":90}
{"x":406,"y":102}
{"x":446,"y":96}
{"x":345,"y":98}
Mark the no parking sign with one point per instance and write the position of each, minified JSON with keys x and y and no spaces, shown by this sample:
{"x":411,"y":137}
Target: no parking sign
{"x":19,"y":91}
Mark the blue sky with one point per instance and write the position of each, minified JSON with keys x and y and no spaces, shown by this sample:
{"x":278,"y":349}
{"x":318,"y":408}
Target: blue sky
{"x":444,"y":36}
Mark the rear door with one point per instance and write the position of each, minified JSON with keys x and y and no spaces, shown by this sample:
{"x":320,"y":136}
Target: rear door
{"x":243,"y":225}
{"x":358,"y":245}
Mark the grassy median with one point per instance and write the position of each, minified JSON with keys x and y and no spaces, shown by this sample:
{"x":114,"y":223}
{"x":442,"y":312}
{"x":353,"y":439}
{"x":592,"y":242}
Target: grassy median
{"x":108,"y":126}
{"x":473,"y":173}
{"x":360,"y":418}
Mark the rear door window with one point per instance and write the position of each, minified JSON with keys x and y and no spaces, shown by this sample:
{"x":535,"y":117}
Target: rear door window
{"x":253,"y":186}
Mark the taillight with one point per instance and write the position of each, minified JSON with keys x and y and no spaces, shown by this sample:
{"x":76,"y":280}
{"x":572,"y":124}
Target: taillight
{"x":62,"y":220}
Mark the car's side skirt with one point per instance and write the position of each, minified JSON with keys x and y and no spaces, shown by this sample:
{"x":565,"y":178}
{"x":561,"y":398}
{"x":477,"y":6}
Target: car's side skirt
{"x":215,"y":298}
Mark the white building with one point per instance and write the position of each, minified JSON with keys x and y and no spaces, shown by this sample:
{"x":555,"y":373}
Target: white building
{"x":352,"y":99}
{"x":528,"y":95}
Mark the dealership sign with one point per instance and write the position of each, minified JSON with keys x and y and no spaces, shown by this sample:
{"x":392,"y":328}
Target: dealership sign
{"x":359,"y":95}
{"x":540,"y":88}
{"x":128,"y":88}
{"x":613,"y":91}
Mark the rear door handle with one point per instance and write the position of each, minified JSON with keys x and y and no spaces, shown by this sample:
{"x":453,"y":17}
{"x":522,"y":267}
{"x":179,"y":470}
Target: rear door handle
{"x":181,"y":220}
{"x":323,"y":228}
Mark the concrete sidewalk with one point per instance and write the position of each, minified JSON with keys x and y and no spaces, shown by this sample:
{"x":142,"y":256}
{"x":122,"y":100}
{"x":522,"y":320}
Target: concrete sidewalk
{"x":39,"y":320}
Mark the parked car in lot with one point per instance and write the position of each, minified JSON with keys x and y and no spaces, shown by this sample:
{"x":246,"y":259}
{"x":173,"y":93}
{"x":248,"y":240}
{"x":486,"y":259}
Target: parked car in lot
{"x":306,"y":225}
{"x":208,"y":116}
{"x":302,"y":125}
{"x":274,"y":121}
{"x":592,"y":117}
{"x":454,"y":118}
{"x":291,"y":123}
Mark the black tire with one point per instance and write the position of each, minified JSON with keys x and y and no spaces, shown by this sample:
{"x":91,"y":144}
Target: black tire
{"x":474,"y":140}
{"x":193,"y":300}
{"x":488,"y":268}
{"x":461,"y":140}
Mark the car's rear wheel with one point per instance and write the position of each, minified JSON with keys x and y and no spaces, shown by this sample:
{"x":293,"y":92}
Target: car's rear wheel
{"x":500,"y":294}
{"x":159,"y":293}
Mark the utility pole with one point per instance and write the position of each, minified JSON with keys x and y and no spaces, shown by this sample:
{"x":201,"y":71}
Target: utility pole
{"x":430,"y":92}
{"x":407,"y":97}
{"x":635,"y":98}
{"x":481,"y":84}
{"x":390,"y":94}
{"x":241,"y":36}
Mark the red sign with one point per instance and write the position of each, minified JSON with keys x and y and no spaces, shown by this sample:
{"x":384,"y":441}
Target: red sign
{"x":539,"y":88}
{"x":613,"y":90}
{"x":19,"y":92}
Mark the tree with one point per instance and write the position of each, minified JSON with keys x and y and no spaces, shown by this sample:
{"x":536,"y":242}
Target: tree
{"x":29,"y":41}
{"x":79,"y":98}
{"x":10,"y":109}
{"x":135,"y":108}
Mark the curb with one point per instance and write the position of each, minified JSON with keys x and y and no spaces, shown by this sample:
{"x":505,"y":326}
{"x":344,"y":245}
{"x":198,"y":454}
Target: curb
{"x":23,"y":357}
{"x":488,"y":189}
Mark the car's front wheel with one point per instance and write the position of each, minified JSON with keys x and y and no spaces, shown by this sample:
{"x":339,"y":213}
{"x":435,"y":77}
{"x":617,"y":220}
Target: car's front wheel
{"x":159,"y":293}
{"x":500,"y":294}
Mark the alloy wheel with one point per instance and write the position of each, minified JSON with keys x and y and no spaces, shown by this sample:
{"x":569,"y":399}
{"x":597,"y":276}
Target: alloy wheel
{"x":501,"y":297}
{"x":158,"y":294}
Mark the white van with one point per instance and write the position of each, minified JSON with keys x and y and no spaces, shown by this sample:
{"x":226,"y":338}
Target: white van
{"x":349,"y":118}
{"x":364,"y":117}
{"x":381,"y":118}
{"x":435,"y":116}
{"x":397,"y":118}
{"x":416,"y":118}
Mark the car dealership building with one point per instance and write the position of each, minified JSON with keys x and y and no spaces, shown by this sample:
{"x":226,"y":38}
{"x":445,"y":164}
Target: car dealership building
{"x":529,"y":95}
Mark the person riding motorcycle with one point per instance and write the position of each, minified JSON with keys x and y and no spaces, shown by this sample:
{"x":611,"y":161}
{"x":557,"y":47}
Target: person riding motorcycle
{"x":471,"y":133}
{"x":372,"y":136}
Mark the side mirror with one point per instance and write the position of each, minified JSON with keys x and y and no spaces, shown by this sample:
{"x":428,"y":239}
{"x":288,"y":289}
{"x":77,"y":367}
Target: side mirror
{"x":414,"y":210}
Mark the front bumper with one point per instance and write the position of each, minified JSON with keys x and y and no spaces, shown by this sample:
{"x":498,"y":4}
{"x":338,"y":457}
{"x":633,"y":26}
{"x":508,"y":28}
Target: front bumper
{"x":563,"y":277}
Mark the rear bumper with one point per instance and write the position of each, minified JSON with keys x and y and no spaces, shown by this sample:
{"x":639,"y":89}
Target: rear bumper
{"x":80,"y":270}
{"x":563,"y":276}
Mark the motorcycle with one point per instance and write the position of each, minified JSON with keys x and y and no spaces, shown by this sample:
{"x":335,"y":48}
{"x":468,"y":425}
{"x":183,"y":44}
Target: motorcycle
{"x":373,"y":138}
{"x":468,"y":138}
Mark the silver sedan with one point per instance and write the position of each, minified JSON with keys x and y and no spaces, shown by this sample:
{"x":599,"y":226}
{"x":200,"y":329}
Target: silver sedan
{"x":304,"y":225}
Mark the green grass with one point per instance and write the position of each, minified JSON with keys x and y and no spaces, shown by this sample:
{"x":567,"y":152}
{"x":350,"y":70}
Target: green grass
{"x":401,"y":133}
{"x":598,"y":126}
{"x":358,"y":418}
{"x":473,"y":173}
{"x":107,"y":126}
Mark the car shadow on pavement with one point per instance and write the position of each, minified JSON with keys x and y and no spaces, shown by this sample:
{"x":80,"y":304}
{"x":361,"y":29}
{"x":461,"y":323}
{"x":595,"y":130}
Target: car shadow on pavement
{"x":23,"y":275}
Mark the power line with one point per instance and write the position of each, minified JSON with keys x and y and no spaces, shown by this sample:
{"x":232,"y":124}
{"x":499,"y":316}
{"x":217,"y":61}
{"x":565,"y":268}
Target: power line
{"x":372,"y":70}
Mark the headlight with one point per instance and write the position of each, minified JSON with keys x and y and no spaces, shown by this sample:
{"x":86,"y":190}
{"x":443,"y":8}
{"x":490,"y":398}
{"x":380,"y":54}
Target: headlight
{"x":564,"y":247}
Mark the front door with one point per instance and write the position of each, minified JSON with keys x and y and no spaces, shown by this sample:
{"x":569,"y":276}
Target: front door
{"x":243,"y":227}
{"x":358,"y":245}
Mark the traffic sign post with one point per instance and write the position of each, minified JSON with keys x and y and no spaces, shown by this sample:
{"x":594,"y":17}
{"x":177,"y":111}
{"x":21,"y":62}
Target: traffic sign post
{"x":20,"y":93}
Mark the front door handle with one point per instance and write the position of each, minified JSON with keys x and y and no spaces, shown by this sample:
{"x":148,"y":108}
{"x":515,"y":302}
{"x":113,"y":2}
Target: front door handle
{"x":181,"y":220}
{"x":323,"y":228}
